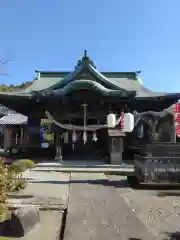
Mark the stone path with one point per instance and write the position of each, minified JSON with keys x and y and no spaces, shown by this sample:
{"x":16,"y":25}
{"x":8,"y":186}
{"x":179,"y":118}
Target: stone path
{"x":100,"y":206}
{"x":46,"y":189}
{"x":96,"y":211}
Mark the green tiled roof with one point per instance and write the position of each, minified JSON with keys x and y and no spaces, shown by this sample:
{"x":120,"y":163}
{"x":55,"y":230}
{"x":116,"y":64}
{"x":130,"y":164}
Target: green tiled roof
{"x":127,"y":83}
{"x":113,"y":80}
{"x":43,"y":83}
{"x":86,"y":77}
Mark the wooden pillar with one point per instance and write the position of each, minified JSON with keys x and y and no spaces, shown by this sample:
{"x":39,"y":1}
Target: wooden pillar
{"x":26,"y":135}
{"x":116,"y":146}
{"x":7,"y":137}
{"x":22,"y":135}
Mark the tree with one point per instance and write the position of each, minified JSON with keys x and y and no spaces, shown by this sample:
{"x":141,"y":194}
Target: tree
{"x":10,"y":88}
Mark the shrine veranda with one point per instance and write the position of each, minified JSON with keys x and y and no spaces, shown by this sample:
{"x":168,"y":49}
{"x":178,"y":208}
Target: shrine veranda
{"x":67,"y":115}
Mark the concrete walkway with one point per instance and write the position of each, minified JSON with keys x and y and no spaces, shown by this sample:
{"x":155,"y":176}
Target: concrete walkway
{"x":48,"y":191}
{"x":96,"y":211}
{"x":98,"y":206}
{"x":45,"y":189}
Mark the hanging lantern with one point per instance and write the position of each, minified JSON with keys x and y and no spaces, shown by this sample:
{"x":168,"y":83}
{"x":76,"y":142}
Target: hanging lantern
{"x":128,"y":122}
{"x":176,"y":108}
{"x":111,"y":120}
{"x":177,"y":118}
{"x":84,"y":137}
{"x":74,"y":136}
{"x":94,"y":138}
{"x":178,"y":130}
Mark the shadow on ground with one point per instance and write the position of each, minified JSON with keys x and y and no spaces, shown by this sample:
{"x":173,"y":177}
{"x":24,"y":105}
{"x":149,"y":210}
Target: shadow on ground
{"x":121,"y":184}
{"x":169,"y":194}
{"x":170,"y":236}
{"x":104,"y":182}
{"x":173,"y":236}
{"x":135,"y":239}
{"x":20,"y":196}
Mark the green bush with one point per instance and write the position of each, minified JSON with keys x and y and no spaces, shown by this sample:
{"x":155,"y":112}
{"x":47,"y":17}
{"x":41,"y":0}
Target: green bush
{"x":10,"y":180}
{"x":15,"y":175}
{"x":24,"y":164}
{"x":19,"y":184}
{"x":4,"y":213}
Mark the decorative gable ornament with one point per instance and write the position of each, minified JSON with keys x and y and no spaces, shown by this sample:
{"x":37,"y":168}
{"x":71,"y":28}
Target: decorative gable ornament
{"x":128,"y":122}
{"x":111,"y":120}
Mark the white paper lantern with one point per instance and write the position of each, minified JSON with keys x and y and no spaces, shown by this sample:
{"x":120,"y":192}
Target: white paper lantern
{"x":128,"y":122}
{"x":111,"y":120}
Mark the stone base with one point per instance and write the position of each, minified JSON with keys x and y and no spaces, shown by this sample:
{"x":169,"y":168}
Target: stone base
{"x":58,"y":159}
{"x":116,"y":150}
{"x":116,"y":158}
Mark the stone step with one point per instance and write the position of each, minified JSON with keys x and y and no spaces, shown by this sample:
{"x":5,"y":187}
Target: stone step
{"x":121,"y":170}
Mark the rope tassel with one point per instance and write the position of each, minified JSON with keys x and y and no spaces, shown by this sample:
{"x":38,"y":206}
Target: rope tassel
{"x":74,"y":137}
{"x":94,"y":138}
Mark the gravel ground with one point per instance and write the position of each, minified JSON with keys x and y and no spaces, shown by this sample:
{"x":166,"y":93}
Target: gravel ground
{"x":158,"y":209}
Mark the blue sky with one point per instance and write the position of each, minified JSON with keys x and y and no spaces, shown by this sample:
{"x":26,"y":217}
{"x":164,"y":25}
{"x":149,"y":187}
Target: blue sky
{"x":120,"y":35}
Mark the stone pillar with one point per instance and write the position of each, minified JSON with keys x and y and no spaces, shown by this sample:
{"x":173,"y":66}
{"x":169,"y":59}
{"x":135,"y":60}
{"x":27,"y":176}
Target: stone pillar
{"x":116,"y":146}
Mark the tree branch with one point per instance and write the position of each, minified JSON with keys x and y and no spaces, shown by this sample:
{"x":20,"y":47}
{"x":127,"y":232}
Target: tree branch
{"x":3,"y":61}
